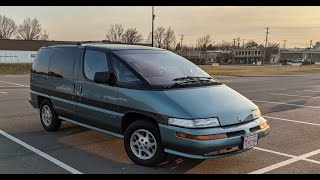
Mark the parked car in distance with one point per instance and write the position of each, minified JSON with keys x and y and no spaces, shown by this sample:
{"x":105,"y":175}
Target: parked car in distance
{"x":156,"y":100}
{"x":286,"y":62}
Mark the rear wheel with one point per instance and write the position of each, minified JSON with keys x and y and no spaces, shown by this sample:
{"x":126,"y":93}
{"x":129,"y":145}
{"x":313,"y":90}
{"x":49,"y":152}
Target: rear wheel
{"x":143,"y":143}
{"x":49,"y":118}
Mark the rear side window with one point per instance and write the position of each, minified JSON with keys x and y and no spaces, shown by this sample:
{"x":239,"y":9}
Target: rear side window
{"x":42,"y":61}
{"x":62,"y":62}
{"x":94,"y":61}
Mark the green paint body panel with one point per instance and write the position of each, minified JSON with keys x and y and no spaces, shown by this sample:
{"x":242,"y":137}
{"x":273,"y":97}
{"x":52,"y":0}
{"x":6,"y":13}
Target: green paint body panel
{"x":103,"y":107}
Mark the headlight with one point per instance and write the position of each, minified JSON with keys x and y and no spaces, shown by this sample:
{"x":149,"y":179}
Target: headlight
{"x":256,"y":113}
{"x":196,"y":123}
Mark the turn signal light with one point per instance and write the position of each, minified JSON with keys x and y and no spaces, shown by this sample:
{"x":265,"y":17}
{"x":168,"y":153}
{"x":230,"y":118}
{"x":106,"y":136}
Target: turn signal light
{"x":201,"y":137}
{"x":264,"y":125}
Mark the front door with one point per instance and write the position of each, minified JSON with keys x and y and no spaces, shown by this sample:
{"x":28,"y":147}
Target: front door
{"x":96,"y":102}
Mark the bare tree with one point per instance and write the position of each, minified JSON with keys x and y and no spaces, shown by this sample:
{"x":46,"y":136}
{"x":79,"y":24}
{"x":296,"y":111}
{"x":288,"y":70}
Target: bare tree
{"x":115,"y":33}
{"x":224,"y":45}
{"x":202,"y":42}
{"x":31,"y":29}
{"x":251,"y":44}
{"x":159,"y":35}
{"x":131,"y":36}
{"x":169,"y":38}
{"x":44,"y":35}
{"x":7,"y":27}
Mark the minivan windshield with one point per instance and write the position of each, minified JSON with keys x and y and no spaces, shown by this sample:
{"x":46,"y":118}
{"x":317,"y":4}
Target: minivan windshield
{"x":165,"y":69}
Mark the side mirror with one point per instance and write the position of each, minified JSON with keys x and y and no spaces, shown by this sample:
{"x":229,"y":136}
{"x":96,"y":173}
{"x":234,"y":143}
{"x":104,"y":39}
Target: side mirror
{"x":102,"y":77}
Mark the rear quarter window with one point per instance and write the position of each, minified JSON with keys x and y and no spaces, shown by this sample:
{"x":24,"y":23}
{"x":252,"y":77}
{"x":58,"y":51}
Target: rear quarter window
{"x":62,"y":62}
{"x":42,"y":61}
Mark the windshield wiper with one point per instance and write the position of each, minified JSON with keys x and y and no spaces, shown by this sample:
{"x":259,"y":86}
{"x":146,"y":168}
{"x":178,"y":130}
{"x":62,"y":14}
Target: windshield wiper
{"x":181,"y":83}
{"x":201,"y":79}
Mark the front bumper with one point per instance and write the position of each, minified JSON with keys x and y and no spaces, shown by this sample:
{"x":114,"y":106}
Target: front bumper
{"x":203,"y":149}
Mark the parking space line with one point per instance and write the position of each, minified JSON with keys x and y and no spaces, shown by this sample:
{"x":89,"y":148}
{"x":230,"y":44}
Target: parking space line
{"x":294,"y":95}
{"x":289,"y":120}
{"x":289,"y":104}
{"x":3,"y":93}
{"x":286,"y":162}
{"x":40,"y":153}
{"x":274,"y":152}
{"x":14,"y":83}
{"x":312,"y":90}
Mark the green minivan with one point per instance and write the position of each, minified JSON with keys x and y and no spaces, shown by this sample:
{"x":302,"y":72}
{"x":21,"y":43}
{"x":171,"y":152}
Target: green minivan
{"x":156,"y":100}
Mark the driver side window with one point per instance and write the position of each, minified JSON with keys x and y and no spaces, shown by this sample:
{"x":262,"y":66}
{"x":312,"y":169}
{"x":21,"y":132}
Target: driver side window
{"x":125,"y":75}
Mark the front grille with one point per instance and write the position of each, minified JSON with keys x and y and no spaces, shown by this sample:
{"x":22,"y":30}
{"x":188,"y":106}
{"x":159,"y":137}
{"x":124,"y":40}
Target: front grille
{"x":236,"y":133}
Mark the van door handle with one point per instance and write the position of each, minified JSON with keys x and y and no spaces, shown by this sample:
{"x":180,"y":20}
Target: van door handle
{"x":80,"y":89}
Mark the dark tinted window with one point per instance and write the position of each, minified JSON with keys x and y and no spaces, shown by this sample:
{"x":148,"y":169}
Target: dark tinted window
{"x":42,"y":60}
{"x":123,"y":74}
{"x":62,"y":62}
{"x":94,"y":61}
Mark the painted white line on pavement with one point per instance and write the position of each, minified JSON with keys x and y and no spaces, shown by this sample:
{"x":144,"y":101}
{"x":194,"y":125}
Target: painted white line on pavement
{"x":40,"y":153}
{"x":3,"y":93}
{"x":294,"y":95}
{"x":274,"y":152}
{"x":317,"y":107}
{"x":14,"y":84}
{"x":289,"y":120}
{"x":286,"y":162}
{"x":312,"y":90}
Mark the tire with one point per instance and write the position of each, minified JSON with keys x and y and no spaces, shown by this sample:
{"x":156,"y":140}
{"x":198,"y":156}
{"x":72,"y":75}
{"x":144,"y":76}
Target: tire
{"x":154,"y":148}
{"x":54,"y":123}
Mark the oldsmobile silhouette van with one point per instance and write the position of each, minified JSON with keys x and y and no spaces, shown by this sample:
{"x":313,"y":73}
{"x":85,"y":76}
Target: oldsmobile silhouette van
{"x":156,"y":100}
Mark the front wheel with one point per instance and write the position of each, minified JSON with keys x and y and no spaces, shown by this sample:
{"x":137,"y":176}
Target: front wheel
{"x":143,"y":145}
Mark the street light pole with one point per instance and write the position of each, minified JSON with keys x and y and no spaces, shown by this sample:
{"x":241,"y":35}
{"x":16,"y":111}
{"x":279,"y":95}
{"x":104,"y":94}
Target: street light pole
{"x":153,"y":16}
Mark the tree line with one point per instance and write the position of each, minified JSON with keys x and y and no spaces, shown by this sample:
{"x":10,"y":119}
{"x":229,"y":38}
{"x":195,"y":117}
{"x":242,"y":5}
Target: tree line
{"x":29,"y":29}
{"x":163,"y":37}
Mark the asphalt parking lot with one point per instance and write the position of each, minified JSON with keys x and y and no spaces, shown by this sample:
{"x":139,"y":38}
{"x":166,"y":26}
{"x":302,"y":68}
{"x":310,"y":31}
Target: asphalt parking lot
{"x":291,"y":104}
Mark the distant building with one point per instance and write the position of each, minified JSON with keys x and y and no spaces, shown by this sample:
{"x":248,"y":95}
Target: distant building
{"x":302,"y":53}
{"x":247,"y":55}
{"x":204,"y":57}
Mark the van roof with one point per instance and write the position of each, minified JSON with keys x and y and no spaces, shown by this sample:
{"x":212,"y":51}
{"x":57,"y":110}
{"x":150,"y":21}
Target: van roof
{"x":113,"y":47}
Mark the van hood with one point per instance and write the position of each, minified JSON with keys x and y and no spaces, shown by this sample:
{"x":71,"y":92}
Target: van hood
{"x":214,"y":101}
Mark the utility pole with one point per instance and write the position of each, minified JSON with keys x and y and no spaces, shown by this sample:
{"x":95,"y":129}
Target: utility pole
{"x":153,"y":16}
{"x":181,"y":41}
{"x":265,"y":47}
{"x":284,"y":44}
{"x":238,"y":42}
{"x":243,"y":42}
{"x":234,"y":42}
